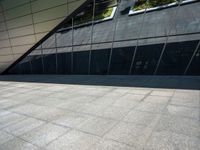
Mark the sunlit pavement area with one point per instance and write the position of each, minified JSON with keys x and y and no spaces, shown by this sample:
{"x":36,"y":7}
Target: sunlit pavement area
{"x":99,"y":112}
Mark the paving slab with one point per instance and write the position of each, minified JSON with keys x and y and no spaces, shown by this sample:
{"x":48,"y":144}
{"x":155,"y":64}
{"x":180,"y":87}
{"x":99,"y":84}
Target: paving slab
{"x":18,"y":144}
{"x":4,"y":137}
{"x":75,"y":140}
{"x":172,"y":141}
{"x":44,"y":134}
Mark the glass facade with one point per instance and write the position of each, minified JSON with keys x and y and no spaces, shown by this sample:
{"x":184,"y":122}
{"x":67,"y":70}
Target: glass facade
{"x":102,"y":40}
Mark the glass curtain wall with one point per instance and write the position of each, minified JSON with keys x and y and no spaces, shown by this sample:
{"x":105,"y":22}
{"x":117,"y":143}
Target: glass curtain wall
{"x":105,"y":39}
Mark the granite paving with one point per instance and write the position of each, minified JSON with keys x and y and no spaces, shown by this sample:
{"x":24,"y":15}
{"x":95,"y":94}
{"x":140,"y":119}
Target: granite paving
{"x":52,"y":112}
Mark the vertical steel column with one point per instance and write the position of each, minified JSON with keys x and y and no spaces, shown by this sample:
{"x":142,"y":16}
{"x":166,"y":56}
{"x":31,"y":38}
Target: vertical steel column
{"x":56,"y":53}
{"x":113,"y":39}
{"x":42,"y":59}
{"x":72,"y":55}
{"x":193,"y":55}
{"x":167,"y":38}
{"x":137,"y":42}
{"x":91,"y":39}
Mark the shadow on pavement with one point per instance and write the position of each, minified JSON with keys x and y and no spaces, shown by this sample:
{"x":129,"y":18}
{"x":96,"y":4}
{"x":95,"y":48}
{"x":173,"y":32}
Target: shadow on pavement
{"x":172,"y":82}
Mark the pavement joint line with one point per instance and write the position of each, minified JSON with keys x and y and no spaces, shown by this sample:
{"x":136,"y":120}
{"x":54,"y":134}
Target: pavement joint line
{"x":93,"y":115}
{"x":28,"y":116}
{"x":20,"y":139}
{"x":57,"y":138}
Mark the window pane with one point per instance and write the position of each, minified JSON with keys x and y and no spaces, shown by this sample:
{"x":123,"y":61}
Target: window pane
{"x":146,"y":59}
{"x":64,"y":63}
{"x":121,"y":60}
{"x":36,"y":62}
{"x":80,"y":62}
{"x":176,"y":58}
{"x":25,"y":65}
{"x":15,"y":70}
{"x":99,"y":61}
{"x":49,"y":57}
{"x":194,"y":68}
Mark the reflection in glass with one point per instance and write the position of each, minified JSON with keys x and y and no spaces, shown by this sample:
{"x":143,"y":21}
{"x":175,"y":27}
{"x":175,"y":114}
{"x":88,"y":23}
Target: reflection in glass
{"x":64,"y":63}
{"x":36,"y":62}
{"x":121,"y":60}
{"x":49,"y":57}
{"x":194,"y":68}
{"x":80,"y":62}
{"x":146,"y":59}
{"x":176,"y":57}
{"x":26,"y":65}
{"x":99,"y":61}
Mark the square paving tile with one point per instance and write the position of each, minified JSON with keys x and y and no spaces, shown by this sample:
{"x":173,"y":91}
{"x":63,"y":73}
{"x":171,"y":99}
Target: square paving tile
{"x":165,"y":93}
{"x":124,"y":103}
{"x":72,"y":119}
{"x":111,"y":145}
{"x":44,"y":134}
{"x":115,"y":113}
{"x":89,"y":108}
{"x":157,"y":99}
{"x":130,"y":134}
{"x":4,"y":112}
{"x":179,"y":125}
{"x":18,"y":144}
{"x":186,"y":102}
{"x":141,"y":117}
{"x":23,"y":126}
{"x":74,"y":140}
{"x":82,"y":99}
{"x":183,"y":111}
{"x":4,"y":137}
{"x":97,"y":126}
{"x":140,"y":91}
{"x":47,"y":101}
{"x":106,"y":101}
{"x":150,"y":107}
{"x":9,"y":119}
{"x":172,"y":141}
{"x":8,"y":103}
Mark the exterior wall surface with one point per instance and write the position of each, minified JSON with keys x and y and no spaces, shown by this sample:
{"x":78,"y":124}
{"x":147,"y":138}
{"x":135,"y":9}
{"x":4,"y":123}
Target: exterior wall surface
{"x":25,"y":22}
{"x":161,"y":42}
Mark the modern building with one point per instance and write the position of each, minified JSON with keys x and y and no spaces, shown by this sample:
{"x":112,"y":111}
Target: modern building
{"x":100,"y":37}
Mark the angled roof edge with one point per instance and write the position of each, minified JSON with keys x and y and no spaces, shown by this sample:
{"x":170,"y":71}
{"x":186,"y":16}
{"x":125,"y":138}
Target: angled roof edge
{"x":48,"y":35}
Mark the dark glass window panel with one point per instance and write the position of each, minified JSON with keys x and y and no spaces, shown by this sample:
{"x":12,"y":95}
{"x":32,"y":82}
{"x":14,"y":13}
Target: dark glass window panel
{"x":25,"y":68}
{"x":36,"y":62}
{"x":25,"y":65}
{"x":64,"y":63}
{"x":176,"y":57}
{"x":146,"y":59}
{"x":49,"y":63}
{"x":121,"y":60}
{"x":80,"y":62}
{"x":99,"y":61}
{"x":15,"y":69}
{"x":194,"y":68}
